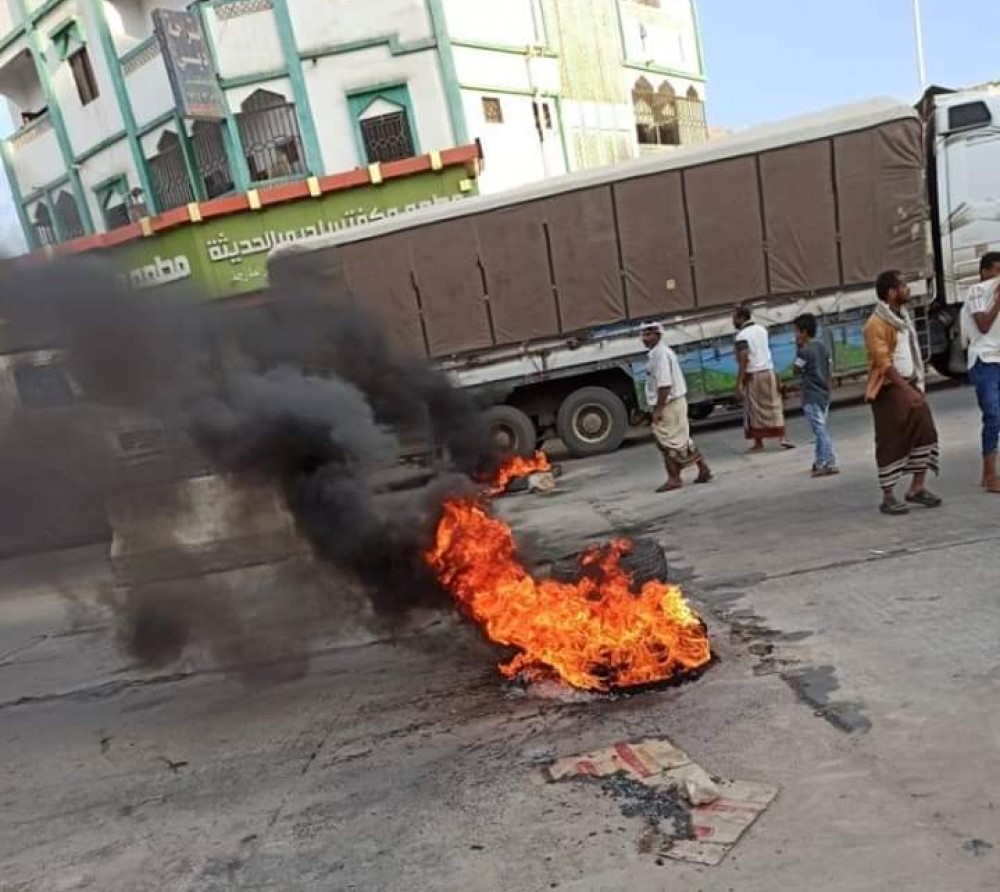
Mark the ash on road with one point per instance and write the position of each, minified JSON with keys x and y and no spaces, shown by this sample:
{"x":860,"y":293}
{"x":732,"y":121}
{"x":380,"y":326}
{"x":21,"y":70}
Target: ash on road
{"x":858,"y":671}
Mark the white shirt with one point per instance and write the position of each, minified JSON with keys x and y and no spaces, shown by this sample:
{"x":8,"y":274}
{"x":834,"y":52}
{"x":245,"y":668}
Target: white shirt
{"x":755,"y":337}
{"x":663,"y":369}
{"x":984,"y":347}
{"x":902,"y":359}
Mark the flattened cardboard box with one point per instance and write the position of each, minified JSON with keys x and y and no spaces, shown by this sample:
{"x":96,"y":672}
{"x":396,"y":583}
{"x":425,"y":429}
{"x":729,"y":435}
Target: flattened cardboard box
{"x":718,"y":824}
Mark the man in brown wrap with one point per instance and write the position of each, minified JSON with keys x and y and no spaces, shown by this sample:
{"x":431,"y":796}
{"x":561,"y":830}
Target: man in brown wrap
{"x":906,"y":440}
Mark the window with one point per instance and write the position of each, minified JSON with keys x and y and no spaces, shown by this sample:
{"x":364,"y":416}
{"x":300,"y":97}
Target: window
{"x":67,"y":37}
{"x":543,"y":117}
{"x":384,"y":121}
{"x":655,"y":112}
{"x":208,"y":142}
{"x":492,"y":110}
{"x":387,"y":137}
{"x":43,"y":387}
{"x":83,"y":76}
{"x":269,"y":130}
{"x":68,"y":216}
{"x":113,"y":198}
{"x":969,"y":116}
{"x":45,"y":231}
{"x":691,"y":121}
{"x":170,"y":177}
{"x":116,"y":216}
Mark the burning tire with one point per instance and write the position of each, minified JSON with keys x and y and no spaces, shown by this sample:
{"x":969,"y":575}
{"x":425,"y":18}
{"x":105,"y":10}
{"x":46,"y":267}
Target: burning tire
{"x":511,"y":431}
{"x":592,"y":421}
{"x":645,"y":563}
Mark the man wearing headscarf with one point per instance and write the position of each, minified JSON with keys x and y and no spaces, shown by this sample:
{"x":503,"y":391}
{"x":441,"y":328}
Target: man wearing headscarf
{"x":906,"y":440}
{"x":666,"y":394}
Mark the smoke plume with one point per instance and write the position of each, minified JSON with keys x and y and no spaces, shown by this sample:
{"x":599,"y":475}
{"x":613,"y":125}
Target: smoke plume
{"x":299,"y":396}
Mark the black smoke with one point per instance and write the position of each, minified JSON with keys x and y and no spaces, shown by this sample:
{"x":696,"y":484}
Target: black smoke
{"x":297,"y":391}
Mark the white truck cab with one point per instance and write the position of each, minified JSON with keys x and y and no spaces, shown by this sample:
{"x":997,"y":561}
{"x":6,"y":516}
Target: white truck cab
{"x":963,"y":132}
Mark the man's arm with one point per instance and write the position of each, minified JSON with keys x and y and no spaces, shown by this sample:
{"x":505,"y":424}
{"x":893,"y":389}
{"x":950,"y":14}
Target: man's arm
{"x":984,"y":321}
{"x":664,"y":381}
{"x":742,"y":359}
{"x":662,"y":398}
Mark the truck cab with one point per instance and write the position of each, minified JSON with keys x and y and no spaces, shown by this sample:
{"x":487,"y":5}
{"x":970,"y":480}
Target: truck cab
{"x":963,"y":134}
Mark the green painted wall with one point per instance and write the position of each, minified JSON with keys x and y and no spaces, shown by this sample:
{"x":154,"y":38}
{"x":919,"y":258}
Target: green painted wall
{"x":228,"y":256}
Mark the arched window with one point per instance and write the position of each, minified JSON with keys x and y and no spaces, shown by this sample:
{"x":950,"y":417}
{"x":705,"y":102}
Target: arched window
{"x":208,"y":141}
{"x":386,"y":130}
{"x":655,"y":114}
{"x":45,"y":232}
{"x":643,"y":98}
{"x":691,"y":118}
{"x":269,"y":130}
{"x":170,"y":177}
{"x":68,"y":215}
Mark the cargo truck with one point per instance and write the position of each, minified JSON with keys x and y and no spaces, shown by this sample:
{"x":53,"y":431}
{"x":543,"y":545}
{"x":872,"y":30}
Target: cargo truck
{"x":533,"y":299}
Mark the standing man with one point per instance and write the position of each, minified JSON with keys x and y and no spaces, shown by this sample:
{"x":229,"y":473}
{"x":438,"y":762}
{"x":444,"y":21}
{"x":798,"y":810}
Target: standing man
{"x":666,"y":394}
{"x":757,"y":383}
{"x":814,"y":368}
{"x":906,"y":441}
{"x":983,"y":308}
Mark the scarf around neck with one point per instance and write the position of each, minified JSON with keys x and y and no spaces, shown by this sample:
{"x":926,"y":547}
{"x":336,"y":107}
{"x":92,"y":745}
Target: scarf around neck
{"x":903,"y":323}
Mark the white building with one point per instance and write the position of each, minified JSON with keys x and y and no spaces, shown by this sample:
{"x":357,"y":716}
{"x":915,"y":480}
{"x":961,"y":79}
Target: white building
{"x":312,"y":87}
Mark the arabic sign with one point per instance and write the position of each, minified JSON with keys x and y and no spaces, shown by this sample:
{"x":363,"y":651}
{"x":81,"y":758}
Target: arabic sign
{"x":158,"y":271}
{"x":227,"y":256}
{"x":189,"y":65}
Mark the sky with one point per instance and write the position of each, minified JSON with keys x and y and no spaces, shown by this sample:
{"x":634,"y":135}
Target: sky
{"x":773,"y":59}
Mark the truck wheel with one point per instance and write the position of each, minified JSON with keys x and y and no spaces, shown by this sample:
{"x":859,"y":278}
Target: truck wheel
{"x":511,"y":431}
{"x":592,"y":421}
{"x":700,"y":411}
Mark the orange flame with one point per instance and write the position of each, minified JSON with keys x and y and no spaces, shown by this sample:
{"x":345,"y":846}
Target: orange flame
{"x":518,"y":466}
{"x":594,"y":634}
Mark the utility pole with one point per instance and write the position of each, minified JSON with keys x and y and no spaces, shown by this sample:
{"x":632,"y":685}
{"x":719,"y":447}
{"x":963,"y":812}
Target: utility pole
{"x":918,"y":31}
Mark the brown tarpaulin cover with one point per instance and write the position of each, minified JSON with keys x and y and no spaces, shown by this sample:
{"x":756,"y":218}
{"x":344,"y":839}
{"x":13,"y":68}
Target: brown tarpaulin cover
{"x":761,"y":225}
{"x":584,"y":257}
{"x":517,"y":274}
{"x":800,"y":218}
{"x":655,"y":253}
{"x":880,"y":187}
{"x":445,"y":264}
{"x":727,"y":238}
{"x":377,"y":273}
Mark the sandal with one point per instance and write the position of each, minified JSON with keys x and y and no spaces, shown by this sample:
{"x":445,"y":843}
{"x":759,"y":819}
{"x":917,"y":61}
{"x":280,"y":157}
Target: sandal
{"x":669,"y":487}
{"x":893,"y":509}
{"x":925,"y":498}
{"x":825,"y":472}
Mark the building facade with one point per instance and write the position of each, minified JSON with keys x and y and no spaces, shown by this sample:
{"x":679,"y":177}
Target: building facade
{"x":315,"y":87}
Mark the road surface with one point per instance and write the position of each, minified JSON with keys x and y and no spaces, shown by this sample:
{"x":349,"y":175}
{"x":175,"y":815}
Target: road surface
{"x":858,"y":670}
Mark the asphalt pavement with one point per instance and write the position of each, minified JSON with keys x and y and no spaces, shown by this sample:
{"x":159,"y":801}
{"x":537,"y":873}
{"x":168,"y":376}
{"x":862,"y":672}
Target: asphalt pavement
{"x":858,"y":671}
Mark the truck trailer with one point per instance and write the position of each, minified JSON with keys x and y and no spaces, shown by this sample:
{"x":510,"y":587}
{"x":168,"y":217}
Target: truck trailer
{"x":533,"y":299}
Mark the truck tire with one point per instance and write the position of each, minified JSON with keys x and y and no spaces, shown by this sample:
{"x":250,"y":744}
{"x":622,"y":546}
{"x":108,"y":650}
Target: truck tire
{"x":645,"y":563}
{"x":592,"y":421}
{"x":700,"y":411}
{"x":511,"y":431}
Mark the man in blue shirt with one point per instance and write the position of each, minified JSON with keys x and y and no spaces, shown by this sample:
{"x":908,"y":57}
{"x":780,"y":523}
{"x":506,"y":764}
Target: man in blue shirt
{"x":813,"y":365}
